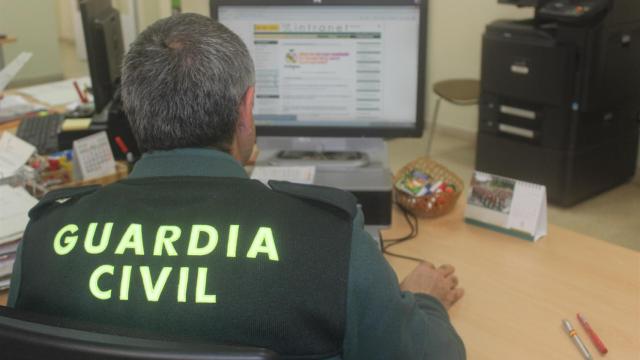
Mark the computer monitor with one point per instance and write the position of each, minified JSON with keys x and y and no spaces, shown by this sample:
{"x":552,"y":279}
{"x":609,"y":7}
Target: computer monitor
{"x":334,"y":68}
{"x":105,"y":48}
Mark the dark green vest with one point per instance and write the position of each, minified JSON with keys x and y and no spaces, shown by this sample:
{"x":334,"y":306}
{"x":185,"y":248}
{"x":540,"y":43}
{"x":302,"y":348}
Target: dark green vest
{"x":224,"y":260}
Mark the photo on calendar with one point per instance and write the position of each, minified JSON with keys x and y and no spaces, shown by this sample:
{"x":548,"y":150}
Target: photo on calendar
{"x":492,"y":192}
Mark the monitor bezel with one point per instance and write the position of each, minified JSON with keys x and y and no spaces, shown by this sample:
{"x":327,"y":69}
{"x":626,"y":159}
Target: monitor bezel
{"x":103,"y":82}
{"x":342,"y":131}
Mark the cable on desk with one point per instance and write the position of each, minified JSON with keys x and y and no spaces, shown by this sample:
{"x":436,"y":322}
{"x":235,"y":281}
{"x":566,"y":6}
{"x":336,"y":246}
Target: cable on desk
{"x":412,"y":220}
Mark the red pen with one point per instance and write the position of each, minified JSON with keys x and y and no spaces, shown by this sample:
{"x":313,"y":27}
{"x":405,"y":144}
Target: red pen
{"x":124,"y":149}
{"x":595,"y":339}
{"x":83,"y":99}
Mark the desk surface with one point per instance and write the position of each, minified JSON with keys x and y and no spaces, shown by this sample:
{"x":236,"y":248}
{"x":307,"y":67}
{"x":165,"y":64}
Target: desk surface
{"x":517,"y":292}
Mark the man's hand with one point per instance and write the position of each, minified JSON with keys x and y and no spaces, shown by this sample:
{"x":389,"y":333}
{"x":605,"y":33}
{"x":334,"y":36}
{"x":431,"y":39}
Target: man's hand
{"x":440,"y":283}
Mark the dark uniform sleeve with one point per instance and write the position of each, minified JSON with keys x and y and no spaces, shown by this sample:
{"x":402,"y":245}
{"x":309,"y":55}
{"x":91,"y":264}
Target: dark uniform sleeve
{"x":386,"y":323}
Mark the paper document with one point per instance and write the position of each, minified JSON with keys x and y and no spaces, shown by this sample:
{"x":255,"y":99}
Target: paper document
{"x":14,"y":152}
{"x":6,"y":267}
{"x":57,"y":93}
{"x":16,"y":203}
{"x":296,"y":174}
{"x":10,"y":247}
{"x":14,"y":106}
{"x":10,"y":71}
{"x":5,"y":283}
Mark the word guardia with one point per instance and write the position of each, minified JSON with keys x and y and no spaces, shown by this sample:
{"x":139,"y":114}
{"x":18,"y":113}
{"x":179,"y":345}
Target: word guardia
{"x":202,"y":241}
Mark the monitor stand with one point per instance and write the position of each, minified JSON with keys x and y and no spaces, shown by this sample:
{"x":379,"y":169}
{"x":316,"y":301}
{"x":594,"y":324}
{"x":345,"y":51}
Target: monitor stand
{"x":357,"y":165}
{"x":323,"y":153}
{"x":100,"y":119}
{"x":320,"y":159}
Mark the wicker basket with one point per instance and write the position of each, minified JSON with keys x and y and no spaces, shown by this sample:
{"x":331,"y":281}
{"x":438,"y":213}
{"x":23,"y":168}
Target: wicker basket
{"x":433,"y":204}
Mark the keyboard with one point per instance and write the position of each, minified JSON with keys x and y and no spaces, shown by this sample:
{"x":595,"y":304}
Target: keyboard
{"x":41,"y":132}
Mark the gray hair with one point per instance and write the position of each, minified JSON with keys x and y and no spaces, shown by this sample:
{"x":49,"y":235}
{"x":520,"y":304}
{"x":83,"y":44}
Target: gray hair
{"x":183,"y":81}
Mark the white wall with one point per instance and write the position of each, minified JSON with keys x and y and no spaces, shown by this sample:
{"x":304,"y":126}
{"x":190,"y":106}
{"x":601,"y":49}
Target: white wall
{"x":128,"y":20}
{"x":151,"y":10}
{"x":65,"y":10}
{"x":35,"y":25}
{"x":196,"y":6}
{"x":454,"y":49}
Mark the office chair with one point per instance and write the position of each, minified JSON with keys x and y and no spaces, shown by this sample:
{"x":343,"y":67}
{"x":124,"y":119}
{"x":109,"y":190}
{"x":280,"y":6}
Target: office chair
{"x":25,"y":336}
{"x":456,"y":91}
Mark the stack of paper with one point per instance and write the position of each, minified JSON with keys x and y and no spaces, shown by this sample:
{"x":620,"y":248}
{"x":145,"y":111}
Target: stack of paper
{"x":6,"y":269}
{"x":16,"y":203}
{"x":14,"y":106}
{"x":14,"y":152}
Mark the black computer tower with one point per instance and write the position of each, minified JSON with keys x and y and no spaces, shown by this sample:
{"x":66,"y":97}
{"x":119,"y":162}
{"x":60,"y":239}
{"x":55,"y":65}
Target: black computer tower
{"x":560,"y":97}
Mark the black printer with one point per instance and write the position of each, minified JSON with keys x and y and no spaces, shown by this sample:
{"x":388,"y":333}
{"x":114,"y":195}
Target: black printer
{"x":560,"y":96}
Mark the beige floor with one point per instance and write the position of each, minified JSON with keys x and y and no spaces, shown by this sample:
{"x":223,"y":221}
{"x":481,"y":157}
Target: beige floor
{"x":613,"y":216}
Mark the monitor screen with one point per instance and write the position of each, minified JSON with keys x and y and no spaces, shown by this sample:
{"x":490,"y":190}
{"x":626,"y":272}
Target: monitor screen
{"x":333,"y":70}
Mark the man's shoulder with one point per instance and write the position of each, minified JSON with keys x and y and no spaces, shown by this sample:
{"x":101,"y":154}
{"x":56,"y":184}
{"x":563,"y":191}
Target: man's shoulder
{"x":337,"y":200}
{"x":60,"y":196}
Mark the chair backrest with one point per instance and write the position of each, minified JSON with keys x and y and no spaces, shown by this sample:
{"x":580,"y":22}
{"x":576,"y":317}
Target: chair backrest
{"x":29,"y":337}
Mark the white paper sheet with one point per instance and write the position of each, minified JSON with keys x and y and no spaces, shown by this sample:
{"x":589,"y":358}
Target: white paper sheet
{"x":296,"y":174}
{"x":16,"y":203}
{"x":525,"y":207}
{"x":13,"y":106}
{"x":56,"y":93}
{"x":6,"y":267}
{"x":14,"y":152}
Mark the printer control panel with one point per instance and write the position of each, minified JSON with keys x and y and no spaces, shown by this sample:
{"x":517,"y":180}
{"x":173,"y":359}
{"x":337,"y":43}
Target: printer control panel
{"x":573,"y":10}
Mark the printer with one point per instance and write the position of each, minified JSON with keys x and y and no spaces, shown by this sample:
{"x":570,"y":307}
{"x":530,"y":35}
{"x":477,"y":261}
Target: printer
{"x":560,"y":96}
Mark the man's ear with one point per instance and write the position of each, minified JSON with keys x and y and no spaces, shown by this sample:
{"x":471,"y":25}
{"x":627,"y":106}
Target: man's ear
{"x":245,"y":120}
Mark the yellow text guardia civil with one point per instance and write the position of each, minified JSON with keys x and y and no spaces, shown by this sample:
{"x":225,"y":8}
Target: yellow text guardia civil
{"x":202,"y":241}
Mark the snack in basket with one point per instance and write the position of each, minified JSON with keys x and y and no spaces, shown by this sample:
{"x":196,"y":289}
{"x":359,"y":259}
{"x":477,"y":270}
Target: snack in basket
{"x":414,"y":183}
{"x":426,"y":188}
{"x":418,"y":183}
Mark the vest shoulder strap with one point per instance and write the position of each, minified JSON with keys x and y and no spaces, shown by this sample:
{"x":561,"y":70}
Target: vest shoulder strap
{"x":337,"y":198}
{"x":60,"y":196}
